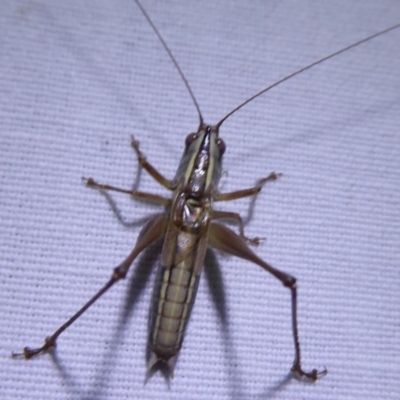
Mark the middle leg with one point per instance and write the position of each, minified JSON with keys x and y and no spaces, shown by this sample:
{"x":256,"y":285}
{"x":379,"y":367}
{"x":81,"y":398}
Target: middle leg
{"x":235,"y":216}
{"x":153,"y":198}
{"x":239,"y":194}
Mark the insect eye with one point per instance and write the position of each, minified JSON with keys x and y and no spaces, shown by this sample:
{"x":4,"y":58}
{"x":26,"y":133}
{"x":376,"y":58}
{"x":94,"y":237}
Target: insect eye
{"x":191,"y":138}
{"x":221,"y":146}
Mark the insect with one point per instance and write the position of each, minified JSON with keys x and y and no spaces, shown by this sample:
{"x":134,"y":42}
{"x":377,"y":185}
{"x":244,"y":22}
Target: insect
{"x":187,"y":229}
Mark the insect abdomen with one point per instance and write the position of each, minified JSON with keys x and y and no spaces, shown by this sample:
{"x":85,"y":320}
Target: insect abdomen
{"x":174,"y":296}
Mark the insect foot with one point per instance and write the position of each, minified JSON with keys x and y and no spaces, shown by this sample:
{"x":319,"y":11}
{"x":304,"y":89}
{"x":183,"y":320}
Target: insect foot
{"x":313,"y":375}
{"x":49,"y":343}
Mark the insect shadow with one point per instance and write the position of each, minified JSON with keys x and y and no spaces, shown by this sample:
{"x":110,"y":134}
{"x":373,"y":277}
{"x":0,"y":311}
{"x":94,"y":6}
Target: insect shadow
{"x":216,"y":286}
{"x":212,"y":272}
{"x":138,"y":282}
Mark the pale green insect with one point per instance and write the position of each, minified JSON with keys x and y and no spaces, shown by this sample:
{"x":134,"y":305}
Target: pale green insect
{"x":187,"y":228}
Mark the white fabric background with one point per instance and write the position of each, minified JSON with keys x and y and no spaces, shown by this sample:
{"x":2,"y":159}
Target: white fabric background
{"x":78,"y":78}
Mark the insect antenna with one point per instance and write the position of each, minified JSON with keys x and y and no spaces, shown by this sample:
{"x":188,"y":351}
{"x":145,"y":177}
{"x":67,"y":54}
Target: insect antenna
{"x":305,"y":69}
{"x":171,"y":56}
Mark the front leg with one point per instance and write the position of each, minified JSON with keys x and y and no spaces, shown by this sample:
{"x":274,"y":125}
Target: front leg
{"x":161,"y":179}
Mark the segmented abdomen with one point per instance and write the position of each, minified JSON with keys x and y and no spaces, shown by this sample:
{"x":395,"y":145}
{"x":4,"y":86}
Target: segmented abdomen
{"x":173,"y":299}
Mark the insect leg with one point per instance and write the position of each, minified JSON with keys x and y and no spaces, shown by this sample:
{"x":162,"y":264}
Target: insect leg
{"x":238,"y":194}
{"x":153,"y":198}
{"x":152,"y":231}
{"x":223,"y":238}
{"x":153,"y":172}
{"x":231,"y":215}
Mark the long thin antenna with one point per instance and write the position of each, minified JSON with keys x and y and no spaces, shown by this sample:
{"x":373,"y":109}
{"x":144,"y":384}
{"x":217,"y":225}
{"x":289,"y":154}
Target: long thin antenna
{"x":305,"y":69}
{"x":171,"y":56}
